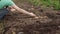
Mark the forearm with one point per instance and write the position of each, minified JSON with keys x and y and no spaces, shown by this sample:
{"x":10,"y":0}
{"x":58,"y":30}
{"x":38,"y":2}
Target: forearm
{"x":28,"y":13}
{"x":22,"y":11}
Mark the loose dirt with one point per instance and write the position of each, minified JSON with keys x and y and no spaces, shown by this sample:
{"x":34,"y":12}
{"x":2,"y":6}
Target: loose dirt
{"x":17,"y":23}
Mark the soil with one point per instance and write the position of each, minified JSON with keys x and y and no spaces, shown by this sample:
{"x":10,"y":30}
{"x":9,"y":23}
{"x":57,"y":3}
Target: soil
{"x":18,"y":23}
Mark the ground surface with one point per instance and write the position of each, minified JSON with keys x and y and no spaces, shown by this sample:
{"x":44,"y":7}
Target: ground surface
{"x":16,"y":23}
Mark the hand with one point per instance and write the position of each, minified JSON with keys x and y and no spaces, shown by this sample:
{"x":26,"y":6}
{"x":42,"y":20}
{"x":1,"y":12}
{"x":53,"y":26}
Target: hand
{"x":33,"y":15}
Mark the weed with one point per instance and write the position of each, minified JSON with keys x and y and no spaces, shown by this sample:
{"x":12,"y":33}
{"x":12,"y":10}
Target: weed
{"x":53,"y":3}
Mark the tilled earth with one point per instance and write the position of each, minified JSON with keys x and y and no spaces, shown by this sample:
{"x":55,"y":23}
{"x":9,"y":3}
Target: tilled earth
{"x":17,"y":23}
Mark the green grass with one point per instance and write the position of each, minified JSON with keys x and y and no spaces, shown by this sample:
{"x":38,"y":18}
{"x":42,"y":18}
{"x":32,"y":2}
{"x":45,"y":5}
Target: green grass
{"x":47,"y":3}
{"x":35,"y":2}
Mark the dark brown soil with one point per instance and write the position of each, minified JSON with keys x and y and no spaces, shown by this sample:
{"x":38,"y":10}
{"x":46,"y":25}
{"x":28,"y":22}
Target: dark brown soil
{"x":16,"y":23}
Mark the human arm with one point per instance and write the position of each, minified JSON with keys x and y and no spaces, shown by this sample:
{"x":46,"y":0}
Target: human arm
{"x":23,"y":11}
